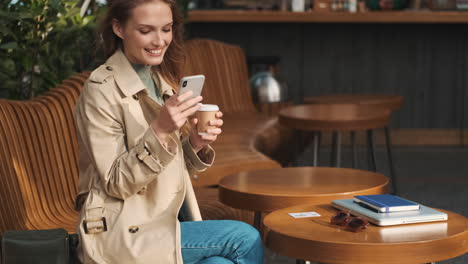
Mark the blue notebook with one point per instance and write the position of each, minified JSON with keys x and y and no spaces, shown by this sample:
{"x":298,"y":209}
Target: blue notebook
{"x":386,"y":203}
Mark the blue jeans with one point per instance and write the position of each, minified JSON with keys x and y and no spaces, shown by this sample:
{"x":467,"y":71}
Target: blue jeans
{"x":220,"y":242}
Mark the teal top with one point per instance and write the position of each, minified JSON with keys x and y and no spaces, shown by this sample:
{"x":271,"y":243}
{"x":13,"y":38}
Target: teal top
{"x":144,"y":72}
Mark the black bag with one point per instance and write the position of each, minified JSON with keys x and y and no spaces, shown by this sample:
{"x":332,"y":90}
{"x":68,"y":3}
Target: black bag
{"x":54,"y":246}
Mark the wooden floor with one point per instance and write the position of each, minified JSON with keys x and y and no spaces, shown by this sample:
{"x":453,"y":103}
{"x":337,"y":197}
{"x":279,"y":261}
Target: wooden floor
{"x":433,"y":176}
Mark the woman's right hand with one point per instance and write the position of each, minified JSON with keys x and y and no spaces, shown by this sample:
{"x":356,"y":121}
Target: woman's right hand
{"x":174,"y":114}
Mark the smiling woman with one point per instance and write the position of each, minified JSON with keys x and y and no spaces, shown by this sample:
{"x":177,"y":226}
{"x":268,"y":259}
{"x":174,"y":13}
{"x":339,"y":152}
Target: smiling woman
{"x":138,"y":153}
{"x":147,"y":34}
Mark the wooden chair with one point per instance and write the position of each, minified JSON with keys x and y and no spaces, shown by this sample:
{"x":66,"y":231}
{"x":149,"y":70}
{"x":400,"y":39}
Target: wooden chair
{"x":38,"y":161}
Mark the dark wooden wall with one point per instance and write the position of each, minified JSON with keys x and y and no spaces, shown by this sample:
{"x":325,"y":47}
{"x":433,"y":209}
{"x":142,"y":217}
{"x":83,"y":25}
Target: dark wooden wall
{"x":426,"y":63}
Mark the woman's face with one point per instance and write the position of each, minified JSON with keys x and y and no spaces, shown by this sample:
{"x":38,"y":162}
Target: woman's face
{"x":147,"y":33}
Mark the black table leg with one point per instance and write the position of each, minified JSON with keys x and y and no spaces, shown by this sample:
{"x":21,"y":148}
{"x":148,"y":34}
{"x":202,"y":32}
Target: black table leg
{"x":335,"y":155}
{"x":333,"y":149}
{"x":338,"y":150}
{"x":316,"y":148}
{"x":388,"y":144}
{"x":354,"y":150}
{"x":371,"y":148}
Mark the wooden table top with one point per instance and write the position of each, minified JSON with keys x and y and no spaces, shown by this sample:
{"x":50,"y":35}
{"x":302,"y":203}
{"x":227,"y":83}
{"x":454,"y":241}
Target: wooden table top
{"x":273,"y":189}
{"x":315,"y":239}
{"x":333,"y":117}
{"x":392,"y":102}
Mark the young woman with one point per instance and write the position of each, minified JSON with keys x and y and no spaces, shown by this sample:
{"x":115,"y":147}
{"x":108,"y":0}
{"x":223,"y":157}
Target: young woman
{"x":137,"y":151}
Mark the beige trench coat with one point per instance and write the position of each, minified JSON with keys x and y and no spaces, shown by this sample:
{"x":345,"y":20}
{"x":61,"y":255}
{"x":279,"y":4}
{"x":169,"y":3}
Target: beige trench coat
{"x":130,"y":183}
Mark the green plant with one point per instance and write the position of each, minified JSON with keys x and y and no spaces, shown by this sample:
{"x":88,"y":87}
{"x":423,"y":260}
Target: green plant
{"x":43,"y":42}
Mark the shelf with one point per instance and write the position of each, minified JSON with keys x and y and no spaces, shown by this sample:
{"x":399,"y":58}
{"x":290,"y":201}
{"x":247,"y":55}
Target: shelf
{"x":241,"y":16}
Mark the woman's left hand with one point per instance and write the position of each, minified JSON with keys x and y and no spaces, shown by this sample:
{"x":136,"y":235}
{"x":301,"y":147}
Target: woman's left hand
{"x":199,"y":142}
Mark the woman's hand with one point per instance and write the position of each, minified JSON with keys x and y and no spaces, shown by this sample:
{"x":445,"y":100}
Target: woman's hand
{"x":174,"y":114}
{"x":199,"y":142}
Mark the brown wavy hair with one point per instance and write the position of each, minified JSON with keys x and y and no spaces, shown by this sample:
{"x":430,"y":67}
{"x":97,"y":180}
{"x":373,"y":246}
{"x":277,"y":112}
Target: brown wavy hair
{"x":171,"y":67}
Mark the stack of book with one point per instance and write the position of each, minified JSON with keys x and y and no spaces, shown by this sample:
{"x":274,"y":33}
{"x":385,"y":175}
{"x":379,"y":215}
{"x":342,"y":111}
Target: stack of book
{"x":387,"y":209}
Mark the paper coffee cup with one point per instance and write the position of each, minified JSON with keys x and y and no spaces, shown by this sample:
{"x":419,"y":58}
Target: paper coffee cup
{"x":205,"y":114}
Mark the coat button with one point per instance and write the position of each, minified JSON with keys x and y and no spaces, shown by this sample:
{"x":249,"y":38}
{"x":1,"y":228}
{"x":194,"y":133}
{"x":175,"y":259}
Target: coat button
{"x":135,"y":96}
{"x":133,"y":229}
{"x":142,"y":191}
{"x":109,"y":68}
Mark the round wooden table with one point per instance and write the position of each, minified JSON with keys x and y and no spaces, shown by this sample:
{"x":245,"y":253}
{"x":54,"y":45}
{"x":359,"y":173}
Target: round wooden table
{"x":315,"y":239}
{"x":388,"y":101}
{"x":334,"y":117}
{"x":337,"y":118}
{"x":392,"y":102}
{"x":273,"y":189}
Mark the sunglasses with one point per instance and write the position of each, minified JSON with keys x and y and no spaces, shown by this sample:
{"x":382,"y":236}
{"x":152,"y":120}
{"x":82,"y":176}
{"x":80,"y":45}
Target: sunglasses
{"x":351,"y":223}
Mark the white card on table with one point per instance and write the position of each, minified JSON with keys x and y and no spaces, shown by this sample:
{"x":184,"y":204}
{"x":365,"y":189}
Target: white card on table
{"x":304,"y":214}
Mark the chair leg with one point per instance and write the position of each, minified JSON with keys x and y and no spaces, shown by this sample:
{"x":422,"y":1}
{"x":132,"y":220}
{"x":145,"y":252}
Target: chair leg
{"x":388,"y":144}
{"x":354,"y":150}
{"x":371,"y":148}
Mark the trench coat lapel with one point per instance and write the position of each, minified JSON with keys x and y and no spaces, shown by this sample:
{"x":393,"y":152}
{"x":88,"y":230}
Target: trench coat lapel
{"x":125,"y":76}
{"x":130,"y":84}
{"x":128,"y":80}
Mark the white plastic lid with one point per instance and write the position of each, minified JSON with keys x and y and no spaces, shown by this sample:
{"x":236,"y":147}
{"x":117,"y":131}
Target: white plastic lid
{"x":208,"y":108}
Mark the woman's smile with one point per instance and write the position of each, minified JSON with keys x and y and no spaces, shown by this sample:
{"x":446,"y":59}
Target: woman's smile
{"x":154,"y":52}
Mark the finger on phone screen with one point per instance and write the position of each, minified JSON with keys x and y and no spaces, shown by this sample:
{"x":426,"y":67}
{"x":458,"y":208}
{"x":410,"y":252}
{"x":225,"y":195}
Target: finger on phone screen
{"x":184,"y":96}
{"x":173,"y":100}
{"x":189,"y":103}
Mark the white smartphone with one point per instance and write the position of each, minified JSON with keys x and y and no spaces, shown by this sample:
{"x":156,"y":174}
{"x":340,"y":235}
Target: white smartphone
{"x":192,"y":83}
